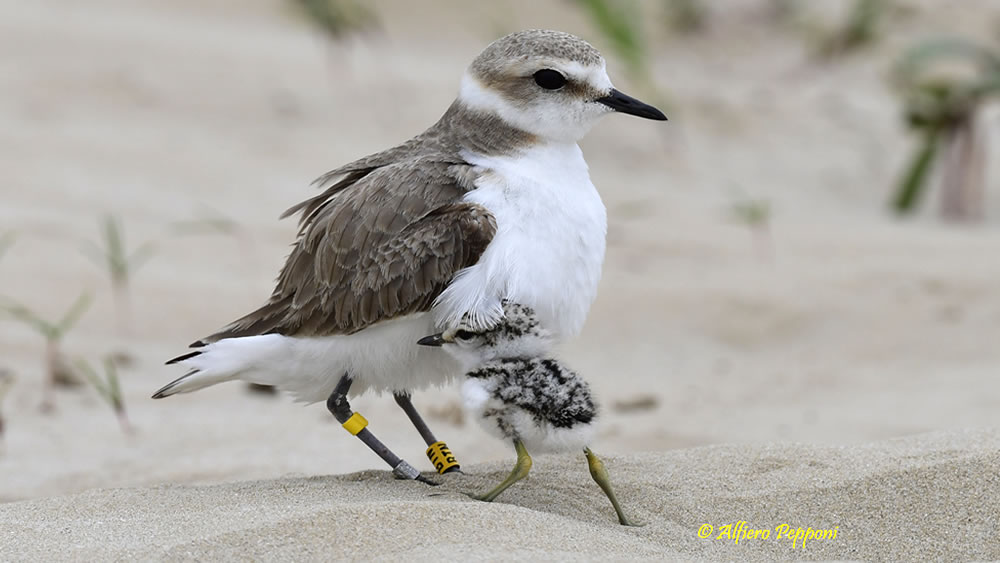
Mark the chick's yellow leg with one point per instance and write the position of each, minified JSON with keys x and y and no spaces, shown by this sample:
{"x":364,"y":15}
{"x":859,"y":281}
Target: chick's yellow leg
{"x":600,"y":475}
{"x":521,"y":469}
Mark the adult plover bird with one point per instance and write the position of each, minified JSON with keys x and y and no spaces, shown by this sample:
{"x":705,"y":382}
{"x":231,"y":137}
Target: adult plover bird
{"x":493,"y":201}
{"x":519,"y":393}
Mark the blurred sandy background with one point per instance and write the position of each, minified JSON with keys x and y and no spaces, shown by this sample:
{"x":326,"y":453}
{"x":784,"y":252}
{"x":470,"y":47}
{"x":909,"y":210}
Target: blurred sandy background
{"x":851,"y":327}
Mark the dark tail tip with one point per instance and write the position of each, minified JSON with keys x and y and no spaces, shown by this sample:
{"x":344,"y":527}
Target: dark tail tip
{"x":180,"y":359}
{"x":164,"y":391}
{"x":198,"y":344}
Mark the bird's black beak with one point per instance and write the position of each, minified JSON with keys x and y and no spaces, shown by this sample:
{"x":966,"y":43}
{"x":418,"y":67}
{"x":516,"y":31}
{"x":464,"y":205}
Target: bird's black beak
{"x":432,"y":340}
{"x":624,"y":103}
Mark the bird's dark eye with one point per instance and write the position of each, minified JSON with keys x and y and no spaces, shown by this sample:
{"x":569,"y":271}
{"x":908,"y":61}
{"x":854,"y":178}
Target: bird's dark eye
{"x":465,"y":335}
{"x":550,"y":79}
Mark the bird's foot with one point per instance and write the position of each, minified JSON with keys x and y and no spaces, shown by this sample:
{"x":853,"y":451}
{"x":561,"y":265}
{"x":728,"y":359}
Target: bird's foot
{"x":631,"y":523}
{"x":484,"y":497}
{"x":404,"y":470}
{"x":520,"y":471}
{"x":437,"y":451}
{"x":427,"y":481}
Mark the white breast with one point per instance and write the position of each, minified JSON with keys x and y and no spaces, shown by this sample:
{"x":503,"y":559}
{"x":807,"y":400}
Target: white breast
{"x":549,"y":246}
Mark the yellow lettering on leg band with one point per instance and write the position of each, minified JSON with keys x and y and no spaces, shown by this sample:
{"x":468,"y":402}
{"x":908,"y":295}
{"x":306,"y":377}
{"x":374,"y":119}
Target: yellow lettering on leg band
{"x":441,"y":457}
{"x":355,"y":424}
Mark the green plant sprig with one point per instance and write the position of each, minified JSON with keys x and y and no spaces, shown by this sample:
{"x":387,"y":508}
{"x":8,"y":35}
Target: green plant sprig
{"x":338,"y":18}
{"x":108,"y":386}
{"x":861,"y":28}
{"x":943,"y":110}
{"x":51,"y":331}
{"x":6,"y":241}
{"x":6,"y":382}
{"x":111,"y":252}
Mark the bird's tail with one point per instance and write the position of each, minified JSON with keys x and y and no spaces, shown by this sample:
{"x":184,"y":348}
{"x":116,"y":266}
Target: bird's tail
{"x":225,"y":360}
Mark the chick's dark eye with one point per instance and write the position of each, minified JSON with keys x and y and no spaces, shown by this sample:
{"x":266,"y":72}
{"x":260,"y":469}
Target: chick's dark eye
{"x":550,"y":79}
{"x":464,"y":335}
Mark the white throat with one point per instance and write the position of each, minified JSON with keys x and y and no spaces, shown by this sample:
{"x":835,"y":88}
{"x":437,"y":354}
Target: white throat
{"x":549,"y":247}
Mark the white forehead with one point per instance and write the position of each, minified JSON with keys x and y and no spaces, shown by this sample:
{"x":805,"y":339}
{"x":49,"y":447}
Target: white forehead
{"x":595,"y":75}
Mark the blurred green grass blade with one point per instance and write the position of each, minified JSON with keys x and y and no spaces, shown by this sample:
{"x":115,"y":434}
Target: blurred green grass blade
{"x":94,"y":253}
{"x":339,"y":18}
{"x":74,"y":313}
{"x":91,"y":376}
{"x":861,"y":27}
{"x":619,"y":24}
{"x":915,"y":181}
{"x":6,"y":241}
{"x":989,"y":85}
{"x":27,"y":316}
{"x":141,"y":255}
{"x":111,"y":251}
{"x":752,"y":212}
{"x":113,"y":238}
{"x":208,"y":221}
{"x":863,"y":20}
{"x":918,"y":58}
{"x":114,"y":385}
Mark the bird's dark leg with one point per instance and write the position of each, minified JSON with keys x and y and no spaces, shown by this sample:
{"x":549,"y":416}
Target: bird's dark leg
{"x":600,"y":475}
{"x":437,"y":451}
{"x":357,"y":425}
{"x":521,"y":469}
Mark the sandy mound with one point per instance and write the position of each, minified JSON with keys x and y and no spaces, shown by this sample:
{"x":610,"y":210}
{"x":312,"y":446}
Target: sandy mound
{"x":933,"y":496}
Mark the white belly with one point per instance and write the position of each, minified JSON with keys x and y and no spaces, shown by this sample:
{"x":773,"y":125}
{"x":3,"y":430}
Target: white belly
{"x":385,"y":357}
{"x":549,"y":246}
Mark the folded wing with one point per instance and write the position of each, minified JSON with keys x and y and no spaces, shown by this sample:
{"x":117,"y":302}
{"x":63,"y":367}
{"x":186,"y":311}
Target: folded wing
{"x":384,"y":245}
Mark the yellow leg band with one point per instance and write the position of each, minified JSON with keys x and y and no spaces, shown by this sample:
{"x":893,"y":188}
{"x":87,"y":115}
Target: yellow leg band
{"x":441,"y":457}
{"x":355,"y":424}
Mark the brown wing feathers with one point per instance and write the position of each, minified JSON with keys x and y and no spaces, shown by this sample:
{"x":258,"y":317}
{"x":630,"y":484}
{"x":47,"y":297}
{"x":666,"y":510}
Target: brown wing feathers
{"x":314,"y":205}
{"x":378,"y":244}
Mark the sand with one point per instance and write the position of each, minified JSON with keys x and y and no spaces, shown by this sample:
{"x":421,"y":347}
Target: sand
{"x":930,"y":497}
{"x":826,"y":377}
